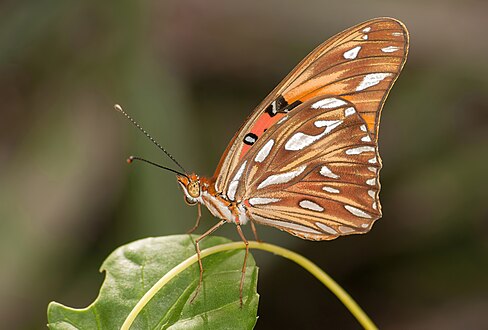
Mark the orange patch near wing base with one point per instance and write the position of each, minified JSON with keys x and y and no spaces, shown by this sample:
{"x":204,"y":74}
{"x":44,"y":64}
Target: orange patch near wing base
{"x":262,"y":124}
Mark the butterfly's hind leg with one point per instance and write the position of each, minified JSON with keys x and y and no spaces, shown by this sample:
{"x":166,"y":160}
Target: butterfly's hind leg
{"x":197,"y":248}
{"x":197,"y":223}
{"x":243,"y":273}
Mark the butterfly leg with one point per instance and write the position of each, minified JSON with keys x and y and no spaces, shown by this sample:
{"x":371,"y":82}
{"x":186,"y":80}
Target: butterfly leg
{"x":197,"y":248}
{"x":243,"y":273}
{"x":199,"y":215}
{"x":254,"y":231}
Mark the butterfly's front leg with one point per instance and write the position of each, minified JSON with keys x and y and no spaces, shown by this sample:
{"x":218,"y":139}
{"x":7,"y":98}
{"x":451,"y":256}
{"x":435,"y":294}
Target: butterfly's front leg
{"x":197,"y":248}
{"x":199,"y":215}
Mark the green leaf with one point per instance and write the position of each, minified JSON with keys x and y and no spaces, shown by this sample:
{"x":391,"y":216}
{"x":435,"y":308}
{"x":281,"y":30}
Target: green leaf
{"x":133,"y":268}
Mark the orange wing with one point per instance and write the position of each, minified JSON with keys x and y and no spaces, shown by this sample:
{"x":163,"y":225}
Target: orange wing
{"x":359,"y":65}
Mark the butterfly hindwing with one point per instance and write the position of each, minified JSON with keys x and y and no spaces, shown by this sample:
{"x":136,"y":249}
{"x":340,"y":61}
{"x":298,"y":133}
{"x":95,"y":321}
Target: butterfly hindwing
{"x":315,"y":174}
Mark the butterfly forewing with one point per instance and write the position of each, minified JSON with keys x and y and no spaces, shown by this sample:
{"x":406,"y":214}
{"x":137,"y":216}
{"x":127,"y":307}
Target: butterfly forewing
{"x":359,"y":65}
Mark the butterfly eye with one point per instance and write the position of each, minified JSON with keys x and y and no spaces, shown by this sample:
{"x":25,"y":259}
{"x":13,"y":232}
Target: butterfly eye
{"x":194,"y":189}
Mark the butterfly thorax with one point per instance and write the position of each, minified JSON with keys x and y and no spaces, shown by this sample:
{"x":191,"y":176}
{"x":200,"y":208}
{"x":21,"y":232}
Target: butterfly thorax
{"x":202,"y":190}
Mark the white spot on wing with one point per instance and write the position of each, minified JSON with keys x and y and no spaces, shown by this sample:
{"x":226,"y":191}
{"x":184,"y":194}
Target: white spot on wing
{"x":240,"y":171}
{"x":366,"y":139}
{"x":329,"y":124}
{"x":309,"y":205}
{"x":371,"y":79}
{"x":371,"y":182}
{"x":330,"y":190}
{"x":365,"y":37}
{"x":346,"y":230}
{"x":328,"y":103}
{"x":372,"y":169}
{"x":363,"y":128}
{"x":286,"y":225}
{"x":282,"y":120}
{"x":371,"y":193}
{"x":301,"y":140}
{"x":282,"y":177}
{"x":372,"y":160}
{"x":397,"y":34}
{"x":359,"y":150}
{"x":325,"y":171}
{"x":374,"y":205}
{"x":262,"y":200}
{"x":325,"y":228}
{"x":349,"y":111}
{"x":367,"y":29}
{"x":352,"y":53}
{"x":357,"y":212}
{"x":264,"y":152}
{"x":231,"y":191}
{"x":390,"y":49}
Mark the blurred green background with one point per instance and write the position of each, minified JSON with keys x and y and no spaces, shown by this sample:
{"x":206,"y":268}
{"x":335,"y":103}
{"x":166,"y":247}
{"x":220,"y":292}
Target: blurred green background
{"x":191,"y":72}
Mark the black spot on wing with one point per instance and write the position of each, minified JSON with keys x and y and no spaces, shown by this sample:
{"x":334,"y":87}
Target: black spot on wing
{"x":291,"y":106}
{"x":276,"y":106}
{"x":250,"y":139}
{"x":280,"y":105}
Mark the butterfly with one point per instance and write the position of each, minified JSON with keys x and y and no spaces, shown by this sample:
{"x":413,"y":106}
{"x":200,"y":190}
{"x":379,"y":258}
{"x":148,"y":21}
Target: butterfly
{"x":306,"y":160}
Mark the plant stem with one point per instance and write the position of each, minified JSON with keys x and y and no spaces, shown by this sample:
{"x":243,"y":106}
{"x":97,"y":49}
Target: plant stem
{"x":340,"y":293}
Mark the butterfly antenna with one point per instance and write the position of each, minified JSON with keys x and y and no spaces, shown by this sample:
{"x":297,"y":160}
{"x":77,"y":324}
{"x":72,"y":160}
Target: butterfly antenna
{"x":132,"y":158}
{"x":119,"y":108}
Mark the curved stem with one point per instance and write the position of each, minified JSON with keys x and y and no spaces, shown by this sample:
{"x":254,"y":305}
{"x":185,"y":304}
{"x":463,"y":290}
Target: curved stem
{"x":343,"y":296}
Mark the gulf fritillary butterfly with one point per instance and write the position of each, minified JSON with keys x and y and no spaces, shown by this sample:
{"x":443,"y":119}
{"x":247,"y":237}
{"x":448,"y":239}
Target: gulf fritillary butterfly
{"x":306,"y":160}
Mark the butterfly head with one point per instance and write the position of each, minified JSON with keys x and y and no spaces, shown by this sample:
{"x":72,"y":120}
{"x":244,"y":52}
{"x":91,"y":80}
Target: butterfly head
{"x":191,"y":187}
